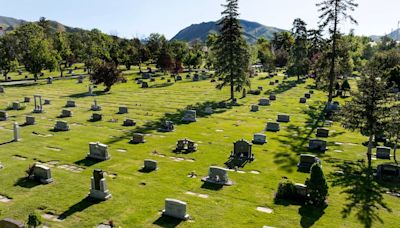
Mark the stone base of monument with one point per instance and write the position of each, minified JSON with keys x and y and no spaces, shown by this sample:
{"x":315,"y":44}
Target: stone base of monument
{"x":95,"y":157}
{"x":99,"y":195}
{"x":207,"y":179}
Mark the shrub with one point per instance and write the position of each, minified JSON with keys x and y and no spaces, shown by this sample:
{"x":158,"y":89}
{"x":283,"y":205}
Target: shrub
{"x":33,"y":220}
{"x":317,"y":186}
{"x":286,"y":190}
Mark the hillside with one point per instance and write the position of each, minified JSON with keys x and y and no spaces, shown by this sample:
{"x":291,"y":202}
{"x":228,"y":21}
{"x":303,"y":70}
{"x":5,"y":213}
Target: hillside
{"x":394,"y":35}
{"x":252,"y":31}
{"x":10,"y":23}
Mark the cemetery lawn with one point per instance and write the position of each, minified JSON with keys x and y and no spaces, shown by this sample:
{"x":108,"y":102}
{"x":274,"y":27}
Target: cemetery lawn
{"x":138,"y":198}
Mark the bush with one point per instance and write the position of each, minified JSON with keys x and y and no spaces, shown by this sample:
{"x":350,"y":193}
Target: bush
{"x":286,"y":190}
{"x":33,"y":220}
{"x":317,"y":186}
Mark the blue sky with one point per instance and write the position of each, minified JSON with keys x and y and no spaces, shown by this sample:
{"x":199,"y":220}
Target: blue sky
{"x":139,"y":18}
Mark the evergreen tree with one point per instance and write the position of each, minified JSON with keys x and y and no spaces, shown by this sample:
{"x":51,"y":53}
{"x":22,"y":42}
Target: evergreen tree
{"x":317,"y":186}
{"x":33,"y":220}
{"x":231,"y":51}
{"x":63,"y":49}
{"x":299,"y":63}
{"x":368,"y":110}
{"x":332,"y":14}
{"x":345,"y":86}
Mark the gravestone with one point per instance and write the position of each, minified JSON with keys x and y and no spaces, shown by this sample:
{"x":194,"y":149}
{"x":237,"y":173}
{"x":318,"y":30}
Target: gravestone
{"x":188,"y":76}
{"x":96,"y":117}
{"x":208,"y":110}
{"x":260,"y":88}
{"x":151,"y":80}
{"x":80,"y":79}
{"x":271,"y":83}
{"x":30,"y":120}
{"x":176,"y":209}
{"x":311,"y":92}
{"x":196,"y":78}
{"x":38,"y":104}
{"x":388,"y":172}
{"x":217,"y":175}
{"x":307,"y":95}
{"x":189,"y":116}
{"x":277,"y":81}
{"x":242,"y":149}
{"x":17,"y":137}
{"x":70,"y":71}
{"x":272,"y":126}
{"x":259,"y":138}
{"x":47,"y":102}
{"x":49,"y":80}
{"x":263,"y":102}
{"x":98,"y":151}
{"x":16,"y":105}
{"x":129,"y":123}
{"x":272,"y":97}
{"x":303,"y":100}
{"x":1,"y":89}
{"x":70,"y":104}
{"x":166,"y":126}
{"x":138,"y":138}
{"x":42,"y":173}
{"x":179,"y":78}
{"x":145,"y":85}
{"x":99,"y":190}
{"x":383,"y":152}
{"x":150,"y":165}
{"x":90,"y":90}
{"x":306,"y":161}
{"x":254,"y":108}
{"x":283,"y":118}
{"x":317,"y":144}
{"x":27,"y":99}
{"x":95,"y":106}
{"x":244,"y":93}
{"x":186,"y":145}
{"x":61,"y":126}
{"x":322,"y":132}
{"x":66,"y":113}
{"x":3,"y":115}
{"x":122,"y":110}
{"x":11,"y":223}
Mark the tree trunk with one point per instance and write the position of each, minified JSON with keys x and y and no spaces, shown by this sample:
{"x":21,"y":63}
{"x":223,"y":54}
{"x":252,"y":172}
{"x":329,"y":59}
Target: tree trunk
{"x":332,"y":70}
{"x":394,"y":151}
{"x":61,"y":70}
{"x":232,"y":89}
{"x":369,"y":153}
{"x":35,"y":77}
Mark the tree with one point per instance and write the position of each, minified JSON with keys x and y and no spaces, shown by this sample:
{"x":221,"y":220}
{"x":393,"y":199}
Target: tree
{"x":36,"y":51}
{"x":299,"y":63}
{"x":33,"y":220}
{"x":368,"y":110}
{"x":8,"y":54}
{"x":345,"y":87}
{"x":106,"y":73}
{"x":317,"y":186}
{"x":180,"y":50}
{"x":392,"y":131}
{"x":265,"y":55}
{"x":231,"y":51}
{"x":154,"y":43}
{"x":332,"y":14}
{"x":63,"y":49}
{"x":282,"y":42}
{"x":97,"y":47}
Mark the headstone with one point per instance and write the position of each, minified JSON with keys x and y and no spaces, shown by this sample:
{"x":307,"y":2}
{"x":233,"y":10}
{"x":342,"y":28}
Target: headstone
{"x":27,"y":99}
{"x":145,"y":85}
{"x":189,"y":116}
{"x":196,"y":78}
{"x":271,"y":83}
{"x":388,"y":172}
{"x":260,"y":88}
{"x":70,"y":104}
{"x":95,"y":107}
{"x":38,"y":104}
{"x":179,"y":78}
{"x":242,"y":149}
{"x":166,"y":126}
{"x":283,"y":118}
{"x":259,"y":138}
{"x":277,"y":81}
{"x":307,"y":95}
{"x":99,"y":190}
{"x":138,"y":138}
{"x":263,"y":102}
{"x":129,"y":123}
{"x":16,"y":132}
{"x":322,"y":132}
{"x":317,"y":144}
{"x":66,"y":113}
{"x":272,"y":97}
{"x":254,"y":108}
{"x":3,"y":115}
{"x":1,"y":89}
{"x":61,"y":126}
{"x":176,"y":209}
{"x":311,"y":92}
{"x":47,"y":102}
{"x":217,"y":175}
{"x":90,"y":90}
{"x":49,"y":80}
{"x":11,"y":223}
{"x":244,"y":93}
{"x":272,"y":126}
{"x":151,"y":80}
{"x":80,"y":79}
{"x":303,"y":100}
{"x":122,"y":110}
{"x":30,"y":120}
{"x":98,"y":151}
{"x":208,"y":110}
{"x":383,"y":152}
{"x":186,"y":145}
{"x":306,"y":161}
{"x":96,"y":117}
{"x":16,"y":105}
{"x":42,"y":173}
{"x":150,"y":165}
{"x":70,"y":71}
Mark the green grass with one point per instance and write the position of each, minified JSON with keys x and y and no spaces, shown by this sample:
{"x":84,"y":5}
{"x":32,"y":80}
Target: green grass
{"x":139,"y":197}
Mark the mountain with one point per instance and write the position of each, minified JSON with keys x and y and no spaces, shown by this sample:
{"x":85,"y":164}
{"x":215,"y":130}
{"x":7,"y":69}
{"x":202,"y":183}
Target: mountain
{"x":9,"y":23}
{"x":252,"y":31}
{"x":395,"y":35}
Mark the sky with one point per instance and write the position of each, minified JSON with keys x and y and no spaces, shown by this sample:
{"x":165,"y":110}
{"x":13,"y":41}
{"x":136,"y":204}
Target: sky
{"x":139,"y":18}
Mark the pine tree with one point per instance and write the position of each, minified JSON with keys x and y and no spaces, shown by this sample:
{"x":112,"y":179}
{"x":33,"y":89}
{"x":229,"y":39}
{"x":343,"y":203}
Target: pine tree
{"x":317,"y":186}
{"x":299,"y":63}
{"x":231,"y":51}
{"x":346,"y":86}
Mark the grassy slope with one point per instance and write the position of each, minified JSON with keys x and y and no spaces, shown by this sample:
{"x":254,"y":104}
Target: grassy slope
{"x":137,"y":205}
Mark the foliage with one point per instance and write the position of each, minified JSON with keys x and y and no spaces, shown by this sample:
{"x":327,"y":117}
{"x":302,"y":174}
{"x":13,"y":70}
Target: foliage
{"x":299,"y":63}
{"x":286,"y":190}
{"x":34,"y":220}
{"x":61,"y":44}
{"x":317,"y":186}
{"x":8,"y":54}
{"x":106,"y":73}
{"x":282,"y":43}
{"x":265,"y":55}
{"x":346,"y":86}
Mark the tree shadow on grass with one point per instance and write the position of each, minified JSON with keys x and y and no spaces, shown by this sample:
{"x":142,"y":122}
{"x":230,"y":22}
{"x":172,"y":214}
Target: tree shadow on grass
{"x":78,"y":207}
{"x":87,"y":162}
{"x":86,"y":94}
{"x":309,"y":215}
{"x":162,"y":85}
{"x":167,"y":221}
{"x":26,"y":182}
{"x":282,"y":87}
{"x":176,"y":118}
{"x":364,"y":195}
{"x":211,"y":186}
{"x":8,"y":142}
